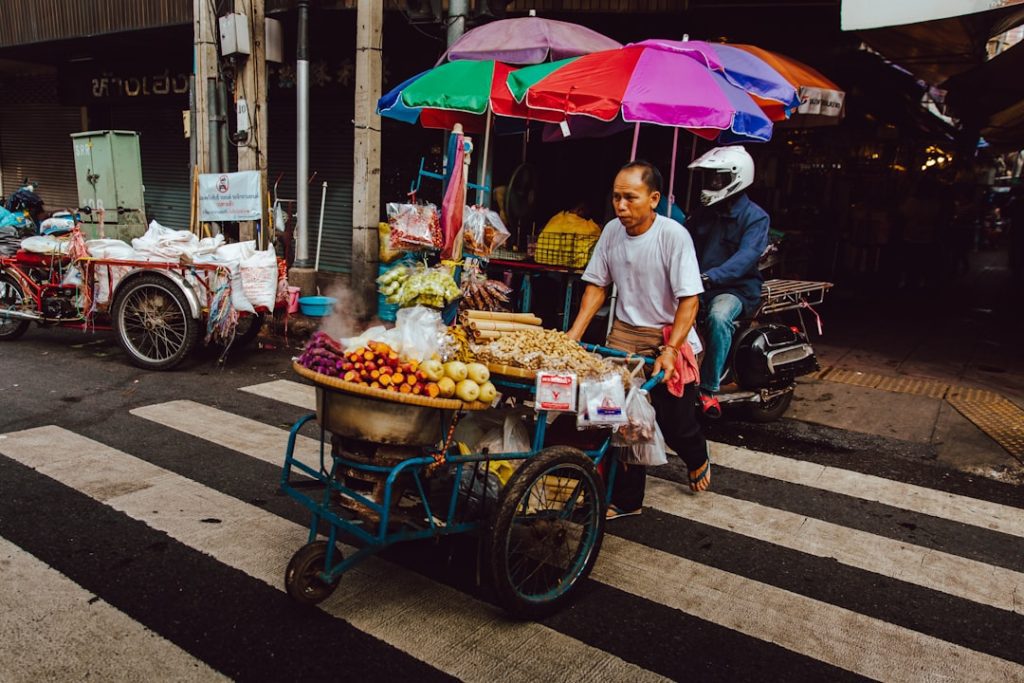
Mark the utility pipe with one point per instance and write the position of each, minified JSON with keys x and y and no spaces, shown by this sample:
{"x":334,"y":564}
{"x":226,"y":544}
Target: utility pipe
{"x":302,"y":139}
{"x":320,"y":227}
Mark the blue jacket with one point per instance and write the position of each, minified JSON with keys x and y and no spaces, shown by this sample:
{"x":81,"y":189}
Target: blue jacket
{"x":730,"y":242}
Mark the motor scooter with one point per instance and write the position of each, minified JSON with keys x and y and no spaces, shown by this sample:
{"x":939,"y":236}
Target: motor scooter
{"x":767,"y":356}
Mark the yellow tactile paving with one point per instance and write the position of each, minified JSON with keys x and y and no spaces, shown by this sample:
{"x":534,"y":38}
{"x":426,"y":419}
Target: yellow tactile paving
{"x":990,"y":412}
{"x":1000,"y":419}
{"x":912,"y":385}
{"x":970,"y":394}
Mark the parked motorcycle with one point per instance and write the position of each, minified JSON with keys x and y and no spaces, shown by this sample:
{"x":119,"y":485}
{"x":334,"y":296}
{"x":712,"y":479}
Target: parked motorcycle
{"x":766,"y":356}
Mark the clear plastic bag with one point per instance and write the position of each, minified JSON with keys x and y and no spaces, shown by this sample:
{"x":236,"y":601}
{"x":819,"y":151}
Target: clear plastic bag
{"x":414,"y":226}
{"x":482,"y":230}
{"x":641,"y":435}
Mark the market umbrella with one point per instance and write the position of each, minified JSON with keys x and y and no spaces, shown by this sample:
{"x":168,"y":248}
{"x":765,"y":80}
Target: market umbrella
{"x":458,"y":92}
{"x":644,"y":84}
{"x":820,"y":100}
{"x":527,"y":40}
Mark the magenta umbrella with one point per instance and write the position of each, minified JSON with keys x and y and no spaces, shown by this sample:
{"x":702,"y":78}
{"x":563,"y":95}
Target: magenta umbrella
{"x":527,"y":40}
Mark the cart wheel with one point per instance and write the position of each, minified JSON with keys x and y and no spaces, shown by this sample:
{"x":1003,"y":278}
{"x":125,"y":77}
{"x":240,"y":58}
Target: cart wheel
{"x":769,"y":411}
{"x":302,"y":580}
{"x":154,"y":323}
{"x":547,"y":531}
{"x":11,"y":296}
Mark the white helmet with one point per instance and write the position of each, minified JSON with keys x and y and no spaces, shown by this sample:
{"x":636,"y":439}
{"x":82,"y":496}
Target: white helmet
{"x":732,"y":171}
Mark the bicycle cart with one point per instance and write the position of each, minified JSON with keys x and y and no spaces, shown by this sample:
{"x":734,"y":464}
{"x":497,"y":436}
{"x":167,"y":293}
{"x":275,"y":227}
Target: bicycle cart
{"x":394,"y":473}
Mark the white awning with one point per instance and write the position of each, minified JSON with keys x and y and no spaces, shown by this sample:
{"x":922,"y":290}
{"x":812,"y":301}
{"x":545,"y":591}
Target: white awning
{"x":859,"y":15}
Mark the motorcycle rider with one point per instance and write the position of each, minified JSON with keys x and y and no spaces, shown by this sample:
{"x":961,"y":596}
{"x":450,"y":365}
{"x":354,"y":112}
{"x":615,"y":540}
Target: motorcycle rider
{"x":730,"y":234}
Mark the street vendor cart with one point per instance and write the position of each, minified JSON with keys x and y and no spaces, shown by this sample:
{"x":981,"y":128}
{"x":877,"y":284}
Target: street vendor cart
{"x":390,"y":470}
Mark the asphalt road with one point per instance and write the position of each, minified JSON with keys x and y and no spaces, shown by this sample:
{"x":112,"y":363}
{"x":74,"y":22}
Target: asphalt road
{"x":143,"y":535}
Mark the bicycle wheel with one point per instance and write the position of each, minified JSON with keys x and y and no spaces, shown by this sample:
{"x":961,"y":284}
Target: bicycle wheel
{"x":13,"y":298}
{"x":154,"y":323}
{"x":547,"y":532}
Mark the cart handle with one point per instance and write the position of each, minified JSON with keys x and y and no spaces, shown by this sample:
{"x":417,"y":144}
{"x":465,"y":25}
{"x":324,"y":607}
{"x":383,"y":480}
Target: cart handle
{"x":605,"y":351}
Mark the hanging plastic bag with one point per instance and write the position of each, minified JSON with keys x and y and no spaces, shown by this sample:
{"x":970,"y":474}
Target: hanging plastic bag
{"x":482,"y":230}
{"x":641,"y":436}
{"x":258,"y":275}
{"x":414,"y":226}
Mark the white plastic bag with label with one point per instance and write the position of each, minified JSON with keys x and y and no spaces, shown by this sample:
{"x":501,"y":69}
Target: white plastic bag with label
{"x":259,"y":278}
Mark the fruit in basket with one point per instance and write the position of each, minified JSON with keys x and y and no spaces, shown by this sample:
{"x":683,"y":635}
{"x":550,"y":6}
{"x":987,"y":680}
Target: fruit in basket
{"x":456,"y":370}
{"x":467,"y":390}
{"x":488,"y":392}
{"x":433,"y":369}
{"x":478,"y":372}
{"x":446,"y":387}
{"x":431,"y":389}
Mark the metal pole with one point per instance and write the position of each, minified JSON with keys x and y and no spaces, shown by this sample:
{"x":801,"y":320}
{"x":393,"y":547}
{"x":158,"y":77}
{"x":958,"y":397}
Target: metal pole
{"x":672,"y":173}
{"x":483,"y":195}
{"x":302,"y":139}
{"x":320,"y":226}
{"x":636,"y":139}
{"x":457,"y":10}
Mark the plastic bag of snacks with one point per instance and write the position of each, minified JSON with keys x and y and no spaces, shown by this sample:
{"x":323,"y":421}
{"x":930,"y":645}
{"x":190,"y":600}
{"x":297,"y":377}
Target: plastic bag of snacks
{"x":641,"y":436}
{"x":602,"y":402}
{"x":414,"y":226}
{"x":483,"y":230}
{"x":481,"y":294}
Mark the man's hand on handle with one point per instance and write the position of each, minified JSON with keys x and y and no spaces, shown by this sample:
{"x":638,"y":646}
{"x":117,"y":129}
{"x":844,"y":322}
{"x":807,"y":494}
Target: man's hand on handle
{"x":666,"y":362}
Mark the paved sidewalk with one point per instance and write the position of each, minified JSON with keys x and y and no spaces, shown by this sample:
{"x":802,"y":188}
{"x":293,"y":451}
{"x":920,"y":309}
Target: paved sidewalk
{"x":898,"y":364}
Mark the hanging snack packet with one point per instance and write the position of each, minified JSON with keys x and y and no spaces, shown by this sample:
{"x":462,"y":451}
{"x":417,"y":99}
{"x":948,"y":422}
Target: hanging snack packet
{"x":556,"y":391}
{"x":603,"y":399}
{"x":483,"y":230}
{"x":414,"y":226}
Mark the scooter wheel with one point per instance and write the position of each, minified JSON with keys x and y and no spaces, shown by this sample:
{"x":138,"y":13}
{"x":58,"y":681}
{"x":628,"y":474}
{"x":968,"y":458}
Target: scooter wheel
{"x":11,"y":296}
{"x":771,"y":410}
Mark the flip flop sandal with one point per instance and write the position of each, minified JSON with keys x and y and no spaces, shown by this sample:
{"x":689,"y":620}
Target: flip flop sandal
{"x":614,"y":512}
{"x":700,"y":478}
{"x":710,"y":406}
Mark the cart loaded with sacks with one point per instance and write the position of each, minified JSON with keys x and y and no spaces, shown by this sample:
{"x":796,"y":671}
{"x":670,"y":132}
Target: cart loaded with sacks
{"x":392,"y":469}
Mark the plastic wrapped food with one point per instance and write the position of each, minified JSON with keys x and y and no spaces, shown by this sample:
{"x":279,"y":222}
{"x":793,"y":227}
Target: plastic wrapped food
{"x":481,"y":294}
{"x":414,"y":226}
{"x":482,"y":230}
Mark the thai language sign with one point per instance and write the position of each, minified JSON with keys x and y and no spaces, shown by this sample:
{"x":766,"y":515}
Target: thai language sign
{"x":230,"y":196}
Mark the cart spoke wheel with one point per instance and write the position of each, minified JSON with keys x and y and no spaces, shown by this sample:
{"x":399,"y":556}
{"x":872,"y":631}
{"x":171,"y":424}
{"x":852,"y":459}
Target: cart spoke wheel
{"x":154,"y":323}
{"x":547,"y":532}
{"x":11,"y":298}
{"x":303,"y":579}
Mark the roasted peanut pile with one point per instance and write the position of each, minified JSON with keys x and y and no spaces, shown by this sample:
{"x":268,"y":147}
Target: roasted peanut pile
{"x":546,"y":350}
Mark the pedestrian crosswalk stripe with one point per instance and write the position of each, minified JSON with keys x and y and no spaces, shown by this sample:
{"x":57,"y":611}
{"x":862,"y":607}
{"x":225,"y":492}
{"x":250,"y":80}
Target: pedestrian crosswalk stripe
{"x":933,"y":569}
{"x":951,"y":506}
{"x":857,"y":646}
{"x":956,"y":508}
{"x":441,"y":626}
{"x":285,"y":391}
{"x":85,"y":637}
{"x":864,"y":645}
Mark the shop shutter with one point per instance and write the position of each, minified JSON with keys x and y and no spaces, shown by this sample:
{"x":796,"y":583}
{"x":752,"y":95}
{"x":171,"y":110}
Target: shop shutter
{"x":35,"y":143}
{"x":330,"y":156}
{"x":165,"y":162}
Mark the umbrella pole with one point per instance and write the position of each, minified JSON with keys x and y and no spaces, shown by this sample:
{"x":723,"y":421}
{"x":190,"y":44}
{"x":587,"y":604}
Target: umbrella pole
{"x":672,"y":173}
{"x":482,"y":197}
{"x":636,"y":139}
{"x":689,"y":183}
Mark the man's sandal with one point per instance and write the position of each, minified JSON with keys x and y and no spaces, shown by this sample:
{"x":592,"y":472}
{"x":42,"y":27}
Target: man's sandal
{"x":700,"y":478}
{"x":614,"y":512}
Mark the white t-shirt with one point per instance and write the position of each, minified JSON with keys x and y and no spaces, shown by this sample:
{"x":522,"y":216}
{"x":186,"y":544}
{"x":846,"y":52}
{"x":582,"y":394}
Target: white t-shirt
{"x":651,"y":272}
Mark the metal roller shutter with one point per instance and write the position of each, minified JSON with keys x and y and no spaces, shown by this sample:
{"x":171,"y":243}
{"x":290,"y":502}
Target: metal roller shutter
{"x":330,"y":156}
{"x":165,"y":162}
{"x":35,"y":143}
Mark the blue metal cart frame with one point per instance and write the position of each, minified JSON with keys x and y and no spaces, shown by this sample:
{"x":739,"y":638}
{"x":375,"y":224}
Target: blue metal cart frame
{"x":329,"y":568}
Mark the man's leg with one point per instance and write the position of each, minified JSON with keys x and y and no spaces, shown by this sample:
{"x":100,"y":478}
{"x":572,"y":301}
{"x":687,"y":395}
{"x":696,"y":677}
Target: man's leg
{"x":722,"y":313}
{"x":677,"y":419}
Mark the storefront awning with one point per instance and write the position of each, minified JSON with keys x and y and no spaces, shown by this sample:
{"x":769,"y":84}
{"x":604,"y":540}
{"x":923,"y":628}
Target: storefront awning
{"x":934,"y":39}
{"x":992,"y":95}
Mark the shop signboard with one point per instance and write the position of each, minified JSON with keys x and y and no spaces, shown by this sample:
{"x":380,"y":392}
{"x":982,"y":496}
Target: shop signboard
{"x":230,"y":196}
